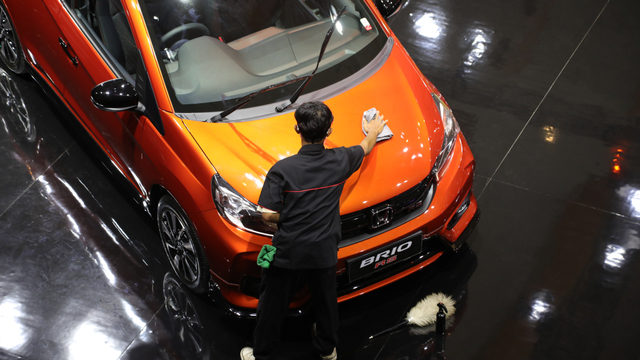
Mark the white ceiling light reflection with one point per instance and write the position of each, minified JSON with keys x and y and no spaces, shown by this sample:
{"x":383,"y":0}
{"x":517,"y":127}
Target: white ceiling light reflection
{"x":634,"y":201}
{"x":106,"y":270}
{"x":90,"y":341}
{"x":614,"y":256}
{"x":75,"y":229}
{"x":540,"y":305}
{"x":632,"y":195}
{"x":132,"y":315}
{"x":4,"y":123}
{"x":478,"y":47}
{"x":106,"y":229}
{"x":12,"y":333}
{"x":429,"y":26}
{"x":538,"y":309}
{"x":258,"y":182}
{"x":115,"y":223}
{"x":631,"y":239}
{"x":72,"y":191}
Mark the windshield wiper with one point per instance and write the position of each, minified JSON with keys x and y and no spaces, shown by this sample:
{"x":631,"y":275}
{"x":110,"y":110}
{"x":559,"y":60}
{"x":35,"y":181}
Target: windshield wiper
{"x":247,"y":98}
{"x":307,"y":78}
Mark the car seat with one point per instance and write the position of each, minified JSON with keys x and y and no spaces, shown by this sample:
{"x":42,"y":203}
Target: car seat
{"x":116,"y":33}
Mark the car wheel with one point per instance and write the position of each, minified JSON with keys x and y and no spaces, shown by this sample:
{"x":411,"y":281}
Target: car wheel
{"x":181,"y":245}
{"x":10,"y":49}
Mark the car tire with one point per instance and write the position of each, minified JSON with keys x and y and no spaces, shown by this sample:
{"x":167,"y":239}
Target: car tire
{"x":181,"y":245}
{"x":10,"y":49}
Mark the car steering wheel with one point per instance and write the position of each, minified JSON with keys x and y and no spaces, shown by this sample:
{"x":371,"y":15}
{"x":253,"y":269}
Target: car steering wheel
{"x":185,"y":31}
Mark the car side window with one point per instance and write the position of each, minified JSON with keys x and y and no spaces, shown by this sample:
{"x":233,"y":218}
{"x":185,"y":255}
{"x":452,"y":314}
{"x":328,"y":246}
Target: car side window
{"x":105,"y":23}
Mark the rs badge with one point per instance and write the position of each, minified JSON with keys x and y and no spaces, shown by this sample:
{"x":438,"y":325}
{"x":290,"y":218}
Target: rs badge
{"x":385,"y":257}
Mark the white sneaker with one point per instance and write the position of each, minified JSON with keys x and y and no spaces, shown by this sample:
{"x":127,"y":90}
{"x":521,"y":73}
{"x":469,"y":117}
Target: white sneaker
{"x":247,"y":354}
{"x":332,"y":356}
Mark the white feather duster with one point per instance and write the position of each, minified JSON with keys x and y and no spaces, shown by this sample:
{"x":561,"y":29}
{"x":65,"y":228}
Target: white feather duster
{"x":424,"y":313}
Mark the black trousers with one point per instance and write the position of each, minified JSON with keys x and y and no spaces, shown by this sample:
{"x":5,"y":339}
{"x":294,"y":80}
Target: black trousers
{"x":276,"y":290}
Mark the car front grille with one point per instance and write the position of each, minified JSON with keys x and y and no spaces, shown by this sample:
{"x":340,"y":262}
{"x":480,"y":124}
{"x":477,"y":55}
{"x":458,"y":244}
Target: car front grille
{"x":364,"y":224}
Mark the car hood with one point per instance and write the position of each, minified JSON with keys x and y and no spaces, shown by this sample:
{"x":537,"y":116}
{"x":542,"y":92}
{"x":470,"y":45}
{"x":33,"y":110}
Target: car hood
{"x":243,"y":152}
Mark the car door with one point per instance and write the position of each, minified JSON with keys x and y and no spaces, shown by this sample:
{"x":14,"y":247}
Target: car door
{"x":38,"y":41}
{"x":92,"y":60}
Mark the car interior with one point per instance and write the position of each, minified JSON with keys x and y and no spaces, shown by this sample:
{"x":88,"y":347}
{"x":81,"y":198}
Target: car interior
{"x":241,"y":46}
{"x":106,"y":24}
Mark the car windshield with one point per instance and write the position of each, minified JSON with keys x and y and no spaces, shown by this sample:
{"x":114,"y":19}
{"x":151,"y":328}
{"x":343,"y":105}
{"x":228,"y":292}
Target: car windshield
{"x":217,"y":51}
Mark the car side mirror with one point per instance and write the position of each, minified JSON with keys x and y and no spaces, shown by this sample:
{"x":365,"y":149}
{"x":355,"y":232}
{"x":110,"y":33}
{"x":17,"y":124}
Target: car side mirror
{"x":389,"y":8}
{"x":116,"y":95}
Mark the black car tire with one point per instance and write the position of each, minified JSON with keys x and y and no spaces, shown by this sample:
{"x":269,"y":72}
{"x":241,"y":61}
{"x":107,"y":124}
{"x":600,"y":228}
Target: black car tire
{"x":181,"y":245}
{"x":10,"y":49}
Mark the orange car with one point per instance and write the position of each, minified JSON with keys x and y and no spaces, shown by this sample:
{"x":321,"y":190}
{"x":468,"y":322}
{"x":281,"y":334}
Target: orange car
{"x":193,"y":100}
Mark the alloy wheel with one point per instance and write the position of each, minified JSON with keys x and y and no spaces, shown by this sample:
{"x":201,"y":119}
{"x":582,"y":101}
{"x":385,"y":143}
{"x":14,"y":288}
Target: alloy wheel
{"x":179,"y":245}
{"x":8,"y":48}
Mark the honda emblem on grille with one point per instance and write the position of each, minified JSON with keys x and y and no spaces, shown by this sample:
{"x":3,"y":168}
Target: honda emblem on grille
{"x":381,"y":217}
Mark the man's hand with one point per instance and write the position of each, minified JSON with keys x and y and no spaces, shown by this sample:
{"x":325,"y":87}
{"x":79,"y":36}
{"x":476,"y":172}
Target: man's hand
{"x":271,"y":217}
{"x":273,"y":225}
{"x":376,"y":124}
{"x":373,"y":128}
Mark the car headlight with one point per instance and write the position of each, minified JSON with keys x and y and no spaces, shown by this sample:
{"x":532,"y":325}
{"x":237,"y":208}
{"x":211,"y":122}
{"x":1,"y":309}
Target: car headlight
{"x":451,"y":130}
{"x":236,"y":209}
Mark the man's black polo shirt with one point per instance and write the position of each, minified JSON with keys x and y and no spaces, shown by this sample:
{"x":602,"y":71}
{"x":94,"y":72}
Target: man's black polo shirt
{"x":305,"y":189}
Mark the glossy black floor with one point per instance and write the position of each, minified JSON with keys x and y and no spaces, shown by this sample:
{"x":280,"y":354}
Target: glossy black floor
{"x":547,"y":93}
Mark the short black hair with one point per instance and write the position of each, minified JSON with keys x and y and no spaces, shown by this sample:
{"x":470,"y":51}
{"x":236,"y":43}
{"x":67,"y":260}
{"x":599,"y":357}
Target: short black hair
{"x":314,"y":120}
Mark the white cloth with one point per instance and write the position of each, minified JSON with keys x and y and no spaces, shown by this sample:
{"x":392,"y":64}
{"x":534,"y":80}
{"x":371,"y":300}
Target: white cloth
{"x":386,"y":132}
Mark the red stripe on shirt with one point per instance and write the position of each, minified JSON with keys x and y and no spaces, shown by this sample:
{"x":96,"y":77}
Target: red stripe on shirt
{"x":320,"y":188}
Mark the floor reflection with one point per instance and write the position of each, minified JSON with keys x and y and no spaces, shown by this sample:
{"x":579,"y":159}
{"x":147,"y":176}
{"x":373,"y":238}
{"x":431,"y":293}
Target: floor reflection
{"x":13,"y":335}
{"x":72,"y":282}
{"x":14,"y":108}
{"x":189,"y":326}
{"x":185,"y":322}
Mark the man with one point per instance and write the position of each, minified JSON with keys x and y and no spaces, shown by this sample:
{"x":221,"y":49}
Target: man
{"x":302,"y":195}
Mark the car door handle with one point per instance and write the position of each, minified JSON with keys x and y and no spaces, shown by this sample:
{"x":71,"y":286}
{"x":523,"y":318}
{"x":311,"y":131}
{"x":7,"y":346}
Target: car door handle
{"x":65,"y":47}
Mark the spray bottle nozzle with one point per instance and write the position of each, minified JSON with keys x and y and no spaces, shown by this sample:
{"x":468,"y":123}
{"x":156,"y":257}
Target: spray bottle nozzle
{"x":442,"y":307}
